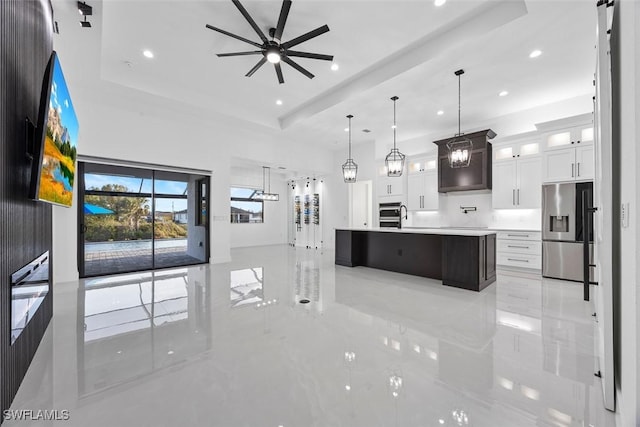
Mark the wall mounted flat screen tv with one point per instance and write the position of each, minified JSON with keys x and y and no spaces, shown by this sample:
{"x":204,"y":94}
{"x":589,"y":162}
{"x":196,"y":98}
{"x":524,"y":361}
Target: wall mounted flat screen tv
{"x":54,"y":165}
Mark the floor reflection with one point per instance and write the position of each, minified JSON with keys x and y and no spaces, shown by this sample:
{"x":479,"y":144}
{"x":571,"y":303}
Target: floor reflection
{"x":135,"y":324}
{"x":233,"y":345}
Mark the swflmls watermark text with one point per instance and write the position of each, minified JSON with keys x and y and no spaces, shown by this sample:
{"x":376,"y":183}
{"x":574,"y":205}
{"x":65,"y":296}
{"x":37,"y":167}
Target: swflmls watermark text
{"x":36,"y":415}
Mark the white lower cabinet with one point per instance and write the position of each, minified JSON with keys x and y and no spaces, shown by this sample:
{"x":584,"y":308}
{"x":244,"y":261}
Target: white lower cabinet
{"x":519,"y":249}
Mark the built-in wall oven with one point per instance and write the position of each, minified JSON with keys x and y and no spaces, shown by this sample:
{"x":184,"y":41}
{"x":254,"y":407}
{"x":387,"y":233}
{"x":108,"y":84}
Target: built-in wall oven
{"x":390,"y":215}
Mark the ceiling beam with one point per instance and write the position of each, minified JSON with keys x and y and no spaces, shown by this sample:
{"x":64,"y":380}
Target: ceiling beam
{"x":475,"y":23}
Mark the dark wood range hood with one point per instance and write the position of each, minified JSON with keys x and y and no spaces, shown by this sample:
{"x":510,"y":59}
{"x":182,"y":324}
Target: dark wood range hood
{"x":477,"y":176}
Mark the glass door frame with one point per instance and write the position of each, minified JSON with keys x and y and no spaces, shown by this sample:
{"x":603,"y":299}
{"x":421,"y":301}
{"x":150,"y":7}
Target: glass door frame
{"x":200,"y":197}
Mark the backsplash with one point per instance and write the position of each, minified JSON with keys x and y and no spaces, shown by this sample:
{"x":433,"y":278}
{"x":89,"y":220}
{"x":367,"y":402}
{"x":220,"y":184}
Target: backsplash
{"x":450,"y":214}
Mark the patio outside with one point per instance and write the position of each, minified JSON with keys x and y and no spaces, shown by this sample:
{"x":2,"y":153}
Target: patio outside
{"x":122,"y":235}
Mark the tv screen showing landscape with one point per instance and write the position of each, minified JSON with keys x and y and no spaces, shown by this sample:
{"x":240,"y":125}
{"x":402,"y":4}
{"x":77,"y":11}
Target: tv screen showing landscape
{"x":59,"y":150}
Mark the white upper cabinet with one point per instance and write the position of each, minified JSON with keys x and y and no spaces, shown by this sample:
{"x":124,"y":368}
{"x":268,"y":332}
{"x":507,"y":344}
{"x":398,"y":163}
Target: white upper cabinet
{"x":422,"y":184}
{"x":569,"y":137}
{"x":390,"y":186}
{"x":517,"y":183}
{"x":585,"y":162}
{"x":504,"y":180}
{"x":529,"y":190}
{"x":423,"y":164}
{"x":568,"y":155}
{"x":517,"y":175}
{"x":559,"y":165}
{"x":504,"y":152}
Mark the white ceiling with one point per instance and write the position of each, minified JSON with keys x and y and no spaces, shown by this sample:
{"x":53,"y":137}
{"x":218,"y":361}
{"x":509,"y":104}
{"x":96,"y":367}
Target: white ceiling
{"x":383,"y":48}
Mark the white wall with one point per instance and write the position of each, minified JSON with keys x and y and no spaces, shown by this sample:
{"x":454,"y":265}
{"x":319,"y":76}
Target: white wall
{"x":118,"y":123}
{"x":273,"y":230}
{"x":336,"y":191}
{"x":450,"y":214}
{"x":628,"y":319}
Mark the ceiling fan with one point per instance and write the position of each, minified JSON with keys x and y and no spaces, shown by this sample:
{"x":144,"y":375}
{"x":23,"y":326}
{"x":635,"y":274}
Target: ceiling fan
{"x":275,"y":50}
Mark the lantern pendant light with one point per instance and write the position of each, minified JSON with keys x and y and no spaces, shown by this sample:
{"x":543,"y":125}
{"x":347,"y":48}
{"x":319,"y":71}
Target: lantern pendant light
{"x":349,"y":168}
{"x":459,"y":147}
{"x":395,"y":159}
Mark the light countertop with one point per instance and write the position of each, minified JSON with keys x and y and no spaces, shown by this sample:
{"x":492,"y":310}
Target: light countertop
{"x":529,"y":230}
{"x":440,"y":231}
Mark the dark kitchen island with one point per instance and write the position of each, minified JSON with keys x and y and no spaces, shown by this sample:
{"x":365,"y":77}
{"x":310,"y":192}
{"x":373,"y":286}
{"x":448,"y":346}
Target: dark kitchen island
{"x":461,"y":258}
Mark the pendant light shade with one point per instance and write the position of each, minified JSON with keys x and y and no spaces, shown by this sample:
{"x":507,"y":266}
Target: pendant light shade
{"x":349,"y":168}
{"x":395,"y":159}
{"x":460,"y":147}
{"x":266,"y":194}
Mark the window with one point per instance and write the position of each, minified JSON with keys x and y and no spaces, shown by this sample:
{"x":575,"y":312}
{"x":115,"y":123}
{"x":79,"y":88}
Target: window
{"x":244,"y":209}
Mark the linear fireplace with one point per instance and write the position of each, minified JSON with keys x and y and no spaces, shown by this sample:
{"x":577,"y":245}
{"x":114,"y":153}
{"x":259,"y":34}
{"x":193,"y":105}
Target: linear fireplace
{"x":29,"y":287}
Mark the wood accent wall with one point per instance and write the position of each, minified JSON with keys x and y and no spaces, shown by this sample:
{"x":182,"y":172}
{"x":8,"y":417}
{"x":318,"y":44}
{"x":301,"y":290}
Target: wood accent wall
{"x":26,"y":43}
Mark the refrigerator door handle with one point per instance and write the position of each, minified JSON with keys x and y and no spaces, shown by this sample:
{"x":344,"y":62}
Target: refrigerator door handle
{"x":572,"y":168}
{"x":518,"y":197}
{"x":578,"y":168}
{"x":513,"y":197}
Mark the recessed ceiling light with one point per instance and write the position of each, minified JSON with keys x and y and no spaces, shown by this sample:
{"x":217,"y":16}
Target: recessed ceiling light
{"x":535,"y":53}
{"x":503,"y":93}
{"x":346,"y":129}
{"x":440,"y":112}
{"x":279,"y":102}
{"x":439,"y":2}
{"x":147,"y":53}
{"x":393,"y":126}
{"x":335,"y":67}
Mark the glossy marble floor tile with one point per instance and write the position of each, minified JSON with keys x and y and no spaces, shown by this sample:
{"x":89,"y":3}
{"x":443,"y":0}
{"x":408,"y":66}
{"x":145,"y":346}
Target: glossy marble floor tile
{"x":231,"y":345}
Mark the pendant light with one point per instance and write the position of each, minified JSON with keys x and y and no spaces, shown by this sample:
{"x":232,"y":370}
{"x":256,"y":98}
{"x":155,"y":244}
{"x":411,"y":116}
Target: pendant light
{"x":395,"y":159}
{"x":349,"y":168}
{"x":266,"y":195}
{"x":459,"y":147}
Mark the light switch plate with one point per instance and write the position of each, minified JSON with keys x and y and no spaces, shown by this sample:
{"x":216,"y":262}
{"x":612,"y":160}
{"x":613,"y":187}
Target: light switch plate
{"x":624,"y":215}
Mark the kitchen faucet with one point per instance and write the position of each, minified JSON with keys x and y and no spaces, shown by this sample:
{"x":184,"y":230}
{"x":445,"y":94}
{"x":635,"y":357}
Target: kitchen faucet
{"x":406,"y":215}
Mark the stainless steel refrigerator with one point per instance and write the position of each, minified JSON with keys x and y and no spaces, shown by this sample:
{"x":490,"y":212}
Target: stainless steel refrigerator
{"x":562,"y":229}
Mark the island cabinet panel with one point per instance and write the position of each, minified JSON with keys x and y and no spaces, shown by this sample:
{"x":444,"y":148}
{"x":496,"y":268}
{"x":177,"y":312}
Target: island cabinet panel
{"x":459,"y":260}
{"x":350,"y":248}
{"x":416,"y":254}
{"x":469,"y":262}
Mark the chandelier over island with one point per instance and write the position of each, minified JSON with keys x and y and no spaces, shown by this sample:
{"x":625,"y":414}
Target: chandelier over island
{"x":349,"y":168}
{"x":395,"y":159}
{"x":459,"y":147}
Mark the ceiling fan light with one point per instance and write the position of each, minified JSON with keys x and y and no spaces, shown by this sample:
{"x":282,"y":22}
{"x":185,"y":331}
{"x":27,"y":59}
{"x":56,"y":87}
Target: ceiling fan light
{"x":273,"y":54}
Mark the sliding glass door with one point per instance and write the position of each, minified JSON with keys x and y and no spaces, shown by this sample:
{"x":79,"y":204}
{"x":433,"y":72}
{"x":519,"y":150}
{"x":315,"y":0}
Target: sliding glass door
{"x":133,"y":219}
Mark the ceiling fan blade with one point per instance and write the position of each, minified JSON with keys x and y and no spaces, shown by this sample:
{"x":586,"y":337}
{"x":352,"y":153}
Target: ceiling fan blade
{"x":305,"y":37}
{"x":297,"y":67}
{"x":309,"y":55}
{"x":255,"y":68}
{"x":279,"y":73}
{"x":249,"y":19}
{"x":227,"y":33}
{"x":222,"y":55}
{"x":284,"y":13}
